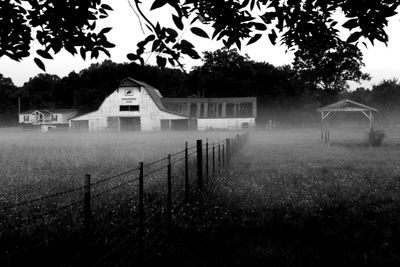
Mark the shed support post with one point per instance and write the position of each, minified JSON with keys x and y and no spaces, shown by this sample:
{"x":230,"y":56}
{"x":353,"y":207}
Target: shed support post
{"x":371,"y":121}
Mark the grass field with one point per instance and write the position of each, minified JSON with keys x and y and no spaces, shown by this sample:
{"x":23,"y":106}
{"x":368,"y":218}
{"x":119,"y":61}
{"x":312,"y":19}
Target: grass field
{"x":33,"y":164}
{"x":288,"y":201}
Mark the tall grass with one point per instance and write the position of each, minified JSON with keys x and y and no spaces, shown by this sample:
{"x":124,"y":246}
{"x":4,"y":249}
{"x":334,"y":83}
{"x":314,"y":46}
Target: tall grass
{"x":288,"y":201}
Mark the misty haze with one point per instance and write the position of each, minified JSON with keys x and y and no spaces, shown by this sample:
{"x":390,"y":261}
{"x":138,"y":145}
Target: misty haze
{"x":199,"y":133}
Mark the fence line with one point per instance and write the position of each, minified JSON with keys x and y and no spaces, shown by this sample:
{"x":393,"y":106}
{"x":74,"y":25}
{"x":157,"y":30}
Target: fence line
{"x":149,"y":198}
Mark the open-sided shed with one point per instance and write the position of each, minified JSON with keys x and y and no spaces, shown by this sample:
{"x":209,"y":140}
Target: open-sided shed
{"x":345,"y":105}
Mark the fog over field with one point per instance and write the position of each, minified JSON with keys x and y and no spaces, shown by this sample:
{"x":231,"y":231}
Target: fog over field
{"x":34,"y":163}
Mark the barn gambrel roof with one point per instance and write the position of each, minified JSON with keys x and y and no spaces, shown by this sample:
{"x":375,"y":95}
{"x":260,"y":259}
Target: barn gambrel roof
{"x":153,"y":93}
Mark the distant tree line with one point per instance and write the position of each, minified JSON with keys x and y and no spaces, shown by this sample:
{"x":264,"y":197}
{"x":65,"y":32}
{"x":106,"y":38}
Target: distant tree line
{"x":224,"y":73}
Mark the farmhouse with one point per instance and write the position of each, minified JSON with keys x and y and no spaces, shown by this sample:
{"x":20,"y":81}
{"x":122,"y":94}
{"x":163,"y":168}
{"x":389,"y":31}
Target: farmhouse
{"x":47,"y":118}
{"x":136,"y":105}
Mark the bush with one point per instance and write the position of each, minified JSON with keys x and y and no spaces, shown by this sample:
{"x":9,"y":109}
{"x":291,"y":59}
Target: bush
{"x":375,"y":137}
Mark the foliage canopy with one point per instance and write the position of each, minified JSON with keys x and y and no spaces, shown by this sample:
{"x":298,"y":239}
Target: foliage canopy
{"x":71,"y":25}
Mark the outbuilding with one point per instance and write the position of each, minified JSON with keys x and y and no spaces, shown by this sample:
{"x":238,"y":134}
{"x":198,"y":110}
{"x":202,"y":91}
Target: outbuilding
{"x":135,"y":105}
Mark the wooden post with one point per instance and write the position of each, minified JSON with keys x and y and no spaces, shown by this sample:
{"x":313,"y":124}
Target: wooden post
{"x":169,"y":196}
{"x":207,"y":161}
{"x":141,"y":213}
{"x":228,"y":151}
{"x":186,"y":172}
{"x":371,"y":121}
{"x":86,"y":219}
{"x":219,"y":159}
{"x":223,"y":156}
{"x":213,"y":160}
{"x":200,"y":164}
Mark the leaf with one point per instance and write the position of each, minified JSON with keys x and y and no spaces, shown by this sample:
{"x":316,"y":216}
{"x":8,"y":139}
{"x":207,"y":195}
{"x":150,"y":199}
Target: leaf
{"x":105,"y":30}
{"x":158,"y":4}
{"x":199,"y":32}
{"x":171,"y":61}
{"x":44,"y":54}
{"x":260,"y":26}
{"x":107,"y":7}
{"x":350,"y":24}
{"x":252,"y":4}
{"x":178,"y":22}
{"x":354,"y":37}
{"x":161,"y":61}
{"x":272,"y":37}
{"x":132,"y":56}
{"x":254,"y":39}
{"x":39,"y":63}
{"x":83,"y":53}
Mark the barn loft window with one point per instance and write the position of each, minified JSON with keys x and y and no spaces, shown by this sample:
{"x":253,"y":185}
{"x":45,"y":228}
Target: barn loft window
{"x":26,"y":118}
{"x":129,"y":108}
{"x":54,"y":117}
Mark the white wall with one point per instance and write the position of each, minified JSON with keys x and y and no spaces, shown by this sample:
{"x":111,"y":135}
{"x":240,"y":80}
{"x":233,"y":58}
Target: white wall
{"x":223,"y":123}
{"x":149,"y":113}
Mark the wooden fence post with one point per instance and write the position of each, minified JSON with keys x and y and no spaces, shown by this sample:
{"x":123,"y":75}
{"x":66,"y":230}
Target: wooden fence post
{"x":213,"y":160}
{"x":206,"y":161}
{"x":219,"y":159}
{"x":186,"y":172}
{"x":141,"y":213}
{"x":223,"y":156}
{"x":86,"y":219}
{"x":228,"y":151}
{"x":200,"y":164}
{"x":169,"y":197}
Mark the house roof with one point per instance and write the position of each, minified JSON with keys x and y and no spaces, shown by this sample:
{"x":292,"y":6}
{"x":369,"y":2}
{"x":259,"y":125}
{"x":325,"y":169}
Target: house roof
{"x":50,"y":111}
{"x":346,"y":105}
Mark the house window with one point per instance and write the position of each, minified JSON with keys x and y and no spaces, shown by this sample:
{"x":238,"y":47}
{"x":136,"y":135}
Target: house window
{"x":129,"y":108}
{"x":26,"y":118}
{"x":54,"y":117}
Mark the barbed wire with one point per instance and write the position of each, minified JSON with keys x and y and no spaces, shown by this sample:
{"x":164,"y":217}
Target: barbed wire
{"x":114,"y":177}
{"x":114,"y":187}
{"x":37,"y":217}
{"x":31,"y":201}
{"x":154,"y":162}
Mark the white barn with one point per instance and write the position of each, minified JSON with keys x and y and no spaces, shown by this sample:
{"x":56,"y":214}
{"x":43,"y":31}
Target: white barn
{"x":136,"y":105}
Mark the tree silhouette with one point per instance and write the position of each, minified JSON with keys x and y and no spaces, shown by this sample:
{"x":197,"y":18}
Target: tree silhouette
{"x":330,"y":68}
{"x":71,"y":25}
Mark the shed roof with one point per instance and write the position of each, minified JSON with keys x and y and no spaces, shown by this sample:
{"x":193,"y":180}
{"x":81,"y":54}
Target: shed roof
{"x":346,"y":105}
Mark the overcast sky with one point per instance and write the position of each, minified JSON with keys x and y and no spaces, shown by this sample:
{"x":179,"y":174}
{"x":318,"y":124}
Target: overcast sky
{"x":381,"y":61}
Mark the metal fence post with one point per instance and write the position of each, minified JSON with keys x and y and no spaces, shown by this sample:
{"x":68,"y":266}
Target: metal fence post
{"x":186,"y":172}
{"x":141,"y":212}
{"x":86,"y":219}
{"x":169,"y":197}
{"x":200,"y":164}
{"x":206,"y":161}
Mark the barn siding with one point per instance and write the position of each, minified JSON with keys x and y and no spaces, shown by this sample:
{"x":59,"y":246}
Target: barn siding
{"x":150,"y":115}
{"x":224,"y":123}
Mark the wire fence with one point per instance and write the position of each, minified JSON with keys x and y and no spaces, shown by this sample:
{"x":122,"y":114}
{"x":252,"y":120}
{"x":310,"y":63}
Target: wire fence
{"x":116,"y":220}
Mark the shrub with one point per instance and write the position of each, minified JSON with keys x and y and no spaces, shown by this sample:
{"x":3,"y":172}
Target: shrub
{"x":375,"y":137}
